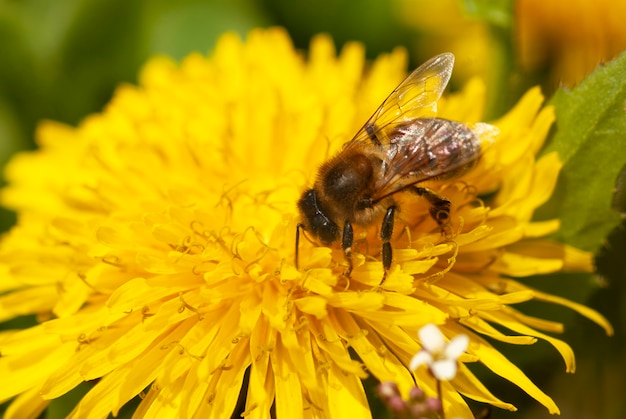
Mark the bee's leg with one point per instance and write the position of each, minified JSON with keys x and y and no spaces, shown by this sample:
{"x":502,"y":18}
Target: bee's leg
{"x":298,"y":227}
{"x":439,"y":207}
{"x":346,"y":244}
{"x":386,"y":231}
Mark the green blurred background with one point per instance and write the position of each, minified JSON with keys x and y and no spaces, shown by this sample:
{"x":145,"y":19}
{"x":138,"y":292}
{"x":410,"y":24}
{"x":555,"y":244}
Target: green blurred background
{"x":62,"y":60}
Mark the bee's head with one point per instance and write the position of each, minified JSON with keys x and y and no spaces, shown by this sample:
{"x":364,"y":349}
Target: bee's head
{"x":316,"y":220}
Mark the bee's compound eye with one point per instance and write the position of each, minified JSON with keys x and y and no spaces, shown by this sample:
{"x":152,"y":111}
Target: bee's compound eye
{"x":442,"y":216}
{"x":315,"y":219}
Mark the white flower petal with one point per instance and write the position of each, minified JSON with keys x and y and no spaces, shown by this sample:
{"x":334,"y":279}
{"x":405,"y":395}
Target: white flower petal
{"x":421,"y":358}
{"x":456,"y":347}
{"x":444,"y":369}
{"x":431,"y":338}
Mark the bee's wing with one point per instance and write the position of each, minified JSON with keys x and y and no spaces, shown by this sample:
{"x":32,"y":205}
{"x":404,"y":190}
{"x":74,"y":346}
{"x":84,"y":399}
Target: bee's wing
{"x":415,"y":97}
{"x":431,"y":148}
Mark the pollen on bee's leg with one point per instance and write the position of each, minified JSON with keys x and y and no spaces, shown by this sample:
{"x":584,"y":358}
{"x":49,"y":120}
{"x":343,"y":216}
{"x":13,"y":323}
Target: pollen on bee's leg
{"x":439,"y":206}
{"x":440,"y":211}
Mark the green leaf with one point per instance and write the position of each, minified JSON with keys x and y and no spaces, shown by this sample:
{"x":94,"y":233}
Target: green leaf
{"x":176,"y":28}
{"x":619,"y":197}
{"x":590,"y":138}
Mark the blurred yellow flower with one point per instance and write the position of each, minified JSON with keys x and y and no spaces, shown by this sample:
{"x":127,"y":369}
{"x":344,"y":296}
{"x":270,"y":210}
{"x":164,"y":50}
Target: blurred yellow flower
{"x":570,"y":38}
{"x":445,"y":25}
{"x":155,"y":241}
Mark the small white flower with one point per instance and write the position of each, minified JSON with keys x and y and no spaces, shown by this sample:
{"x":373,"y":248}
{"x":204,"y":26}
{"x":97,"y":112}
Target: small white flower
{"x":441,"y":357}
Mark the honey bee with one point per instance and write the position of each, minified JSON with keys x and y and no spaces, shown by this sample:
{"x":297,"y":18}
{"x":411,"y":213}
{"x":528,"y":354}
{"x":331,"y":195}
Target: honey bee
{"x":398,"y":148}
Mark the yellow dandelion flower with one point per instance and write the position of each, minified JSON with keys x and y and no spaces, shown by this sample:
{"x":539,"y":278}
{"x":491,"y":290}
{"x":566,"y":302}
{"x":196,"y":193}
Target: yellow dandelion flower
{"x":449,"y":27}
{"x":571,"y":38}
{"x":155,"y":243}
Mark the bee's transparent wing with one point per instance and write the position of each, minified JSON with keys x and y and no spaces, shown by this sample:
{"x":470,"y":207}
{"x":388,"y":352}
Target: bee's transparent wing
{"x":415,"y":97}
{"x":431,"y":148}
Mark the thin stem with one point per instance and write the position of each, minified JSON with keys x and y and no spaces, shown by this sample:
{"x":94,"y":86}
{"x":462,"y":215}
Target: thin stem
{"x":440,"y":397}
